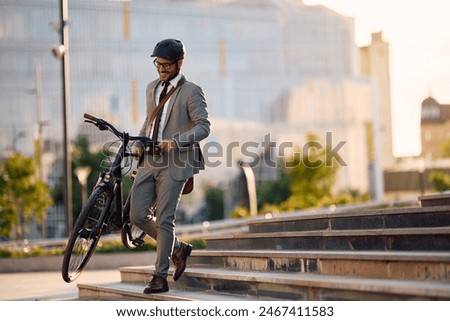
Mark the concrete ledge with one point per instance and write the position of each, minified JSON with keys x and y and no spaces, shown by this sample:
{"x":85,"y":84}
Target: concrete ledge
{"x":98,"y":261}
{"x":123,"y":291}
{"x":435,"y":199}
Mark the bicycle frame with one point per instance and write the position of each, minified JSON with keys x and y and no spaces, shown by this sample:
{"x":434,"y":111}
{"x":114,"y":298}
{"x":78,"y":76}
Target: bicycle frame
{"x":122,"y":209}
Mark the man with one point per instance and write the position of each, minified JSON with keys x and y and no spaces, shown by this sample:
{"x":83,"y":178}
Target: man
{"x":178,"y":127}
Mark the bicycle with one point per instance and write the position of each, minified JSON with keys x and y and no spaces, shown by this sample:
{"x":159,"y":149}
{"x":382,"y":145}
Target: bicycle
{"x":104,"y":210}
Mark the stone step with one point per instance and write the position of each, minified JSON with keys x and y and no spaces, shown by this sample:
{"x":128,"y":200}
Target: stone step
{"x":132,"y":291}
{"x":291,"y":286}
{"x":436,"y":199}
{"x":436,"y":216}
{"x":398,"y":239}
{"x":371,"y":264}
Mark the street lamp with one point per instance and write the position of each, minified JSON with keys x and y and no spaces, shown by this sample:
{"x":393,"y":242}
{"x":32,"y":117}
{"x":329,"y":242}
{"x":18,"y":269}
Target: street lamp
{"x":62,"y":52}
{"x":82,"y":173}
{"x":16,"y":137}
{"x":422,"y":171}
{"x":251,"y":187}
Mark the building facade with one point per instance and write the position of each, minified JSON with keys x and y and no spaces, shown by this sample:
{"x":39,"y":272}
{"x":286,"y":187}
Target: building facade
{"x":264,"y":65}
{"x":374,"y":62}
{"x":434,"y":128}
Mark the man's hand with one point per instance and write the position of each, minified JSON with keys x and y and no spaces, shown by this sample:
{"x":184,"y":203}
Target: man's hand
{"x":136,"y":151}
{"x":166,"y":145}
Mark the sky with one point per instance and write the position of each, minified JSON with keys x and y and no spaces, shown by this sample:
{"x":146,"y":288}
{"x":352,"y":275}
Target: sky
{"x":418,"y":33}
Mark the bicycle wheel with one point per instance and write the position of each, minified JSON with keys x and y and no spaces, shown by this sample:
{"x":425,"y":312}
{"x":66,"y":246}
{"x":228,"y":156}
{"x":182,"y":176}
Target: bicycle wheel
{"x":86,"y":233}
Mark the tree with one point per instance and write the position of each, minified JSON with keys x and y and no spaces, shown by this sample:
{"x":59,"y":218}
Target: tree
{"x":23,"y":197}
{"x":214,"y":203}
{"x":446,"y":149}
{"x":274,"y":192}
{"x":307,"y":180}
{"x":83,"y":157}
{"x":312,"y":177}
{"x":440,"y":180}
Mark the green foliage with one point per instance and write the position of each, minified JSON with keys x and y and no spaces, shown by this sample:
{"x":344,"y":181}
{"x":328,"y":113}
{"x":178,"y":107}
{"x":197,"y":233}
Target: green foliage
{"x":348,"y":197}
{"x":198,"y":244}
{"x":104,"y":246}
{"x":5,"y":253}
{"x":30,"y":251}
{"x":446,"y":149}
{"x":439,"y":180}
{"x":274,"y":192}
{"x":269,"y":208}
{"x":116,"y":246}
{"x":23,"y":197}
{"x":240,"y":212}
{"x":312,"y":178}
{"x":214,"y":203}
{"x":307,"y":182}
{"x":83,"y":157}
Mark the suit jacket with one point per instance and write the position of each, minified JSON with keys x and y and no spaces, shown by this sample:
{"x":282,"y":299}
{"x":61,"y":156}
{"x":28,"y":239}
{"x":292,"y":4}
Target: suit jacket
{"x":186,"y":122}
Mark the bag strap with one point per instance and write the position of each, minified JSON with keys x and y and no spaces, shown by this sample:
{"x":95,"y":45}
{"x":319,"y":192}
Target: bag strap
{"x":165,"y":99}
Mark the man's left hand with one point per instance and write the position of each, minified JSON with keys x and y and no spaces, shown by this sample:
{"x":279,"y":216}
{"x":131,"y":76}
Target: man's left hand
{"x":166,"y":145}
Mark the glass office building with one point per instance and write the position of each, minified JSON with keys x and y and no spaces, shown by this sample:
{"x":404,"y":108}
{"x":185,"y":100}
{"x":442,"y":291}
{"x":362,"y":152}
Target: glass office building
{"x":249,"y":56}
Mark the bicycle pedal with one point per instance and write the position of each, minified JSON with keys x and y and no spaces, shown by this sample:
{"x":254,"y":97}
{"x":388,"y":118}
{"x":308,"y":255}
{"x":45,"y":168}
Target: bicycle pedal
{"x":138,"y":242}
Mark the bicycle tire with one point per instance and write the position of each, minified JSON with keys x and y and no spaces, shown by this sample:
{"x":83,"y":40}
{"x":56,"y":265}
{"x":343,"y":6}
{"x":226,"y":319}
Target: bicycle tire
{"x":86,"y":233}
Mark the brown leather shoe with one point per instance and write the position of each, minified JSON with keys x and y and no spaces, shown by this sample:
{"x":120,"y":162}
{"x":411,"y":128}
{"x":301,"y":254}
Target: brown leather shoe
{"x":157,"y":285}
{"x":179,"y":259}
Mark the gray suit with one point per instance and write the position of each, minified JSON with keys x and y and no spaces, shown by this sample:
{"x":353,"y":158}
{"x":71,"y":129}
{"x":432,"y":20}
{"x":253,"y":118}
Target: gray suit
{"x":162,"y":178}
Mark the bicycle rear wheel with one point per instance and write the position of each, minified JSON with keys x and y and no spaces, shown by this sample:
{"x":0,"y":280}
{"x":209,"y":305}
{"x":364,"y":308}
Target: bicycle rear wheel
{"x":86,"y":233}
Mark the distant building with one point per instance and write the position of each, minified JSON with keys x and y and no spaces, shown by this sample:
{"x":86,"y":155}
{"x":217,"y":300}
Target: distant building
{"x":374,"y":64}
{"x":321,"y":106}
{"x":411,"y":175}
{"x":434,"y":128}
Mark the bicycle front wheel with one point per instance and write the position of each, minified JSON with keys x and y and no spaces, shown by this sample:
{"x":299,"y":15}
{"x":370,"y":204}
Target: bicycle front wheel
{"x":86,"y":233}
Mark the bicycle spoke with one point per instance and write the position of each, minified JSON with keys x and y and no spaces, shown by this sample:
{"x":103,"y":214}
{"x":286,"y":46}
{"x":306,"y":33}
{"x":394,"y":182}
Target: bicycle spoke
{"x":79,"y":251}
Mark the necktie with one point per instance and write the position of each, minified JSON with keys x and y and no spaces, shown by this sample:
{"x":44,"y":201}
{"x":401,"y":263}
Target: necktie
{"x":158,"y":116}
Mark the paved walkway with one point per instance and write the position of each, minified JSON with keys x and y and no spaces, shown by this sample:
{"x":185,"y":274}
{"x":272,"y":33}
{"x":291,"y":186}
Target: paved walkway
{"x":48,"y":286}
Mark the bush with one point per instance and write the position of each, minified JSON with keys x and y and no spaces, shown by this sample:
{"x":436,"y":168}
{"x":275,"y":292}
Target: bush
{"x":240,"y":212}
{"x":107,"y":246}
{"x":439,"y":180}
{"x":198,"y":244}
{"x":5,"y":253}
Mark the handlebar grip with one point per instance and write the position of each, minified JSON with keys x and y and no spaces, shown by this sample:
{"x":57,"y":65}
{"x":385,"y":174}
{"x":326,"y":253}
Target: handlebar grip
{"x":90,"y":117}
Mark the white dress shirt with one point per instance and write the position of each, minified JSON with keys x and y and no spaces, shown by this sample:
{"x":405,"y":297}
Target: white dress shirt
{"x":173,"y":82}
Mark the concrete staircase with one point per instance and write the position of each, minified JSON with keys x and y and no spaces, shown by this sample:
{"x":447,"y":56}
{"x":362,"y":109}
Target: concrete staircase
{"x":347,"y":254}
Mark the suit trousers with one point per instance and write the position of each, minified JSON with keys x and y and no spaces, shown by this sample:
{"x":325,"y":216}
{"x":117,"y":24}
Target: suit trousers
{"x":154,"y":183}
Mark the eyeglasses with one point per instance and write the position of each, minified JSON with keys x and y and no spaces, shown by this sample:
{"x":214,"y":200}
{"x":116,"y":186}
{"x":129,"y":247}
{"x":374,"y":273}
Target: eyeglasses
{"x":165,"y":65}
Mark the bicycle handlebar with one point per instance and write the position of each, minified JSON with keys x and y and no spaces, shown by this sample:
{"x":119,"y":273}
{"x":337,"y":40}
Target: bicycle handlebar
{"x":104,"y":125}
{"x":90,"y":117}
